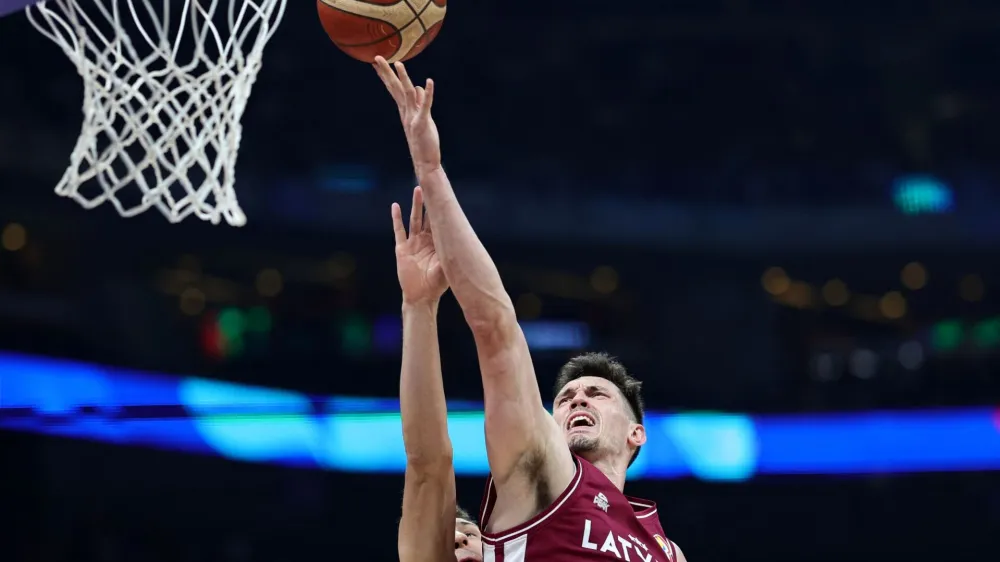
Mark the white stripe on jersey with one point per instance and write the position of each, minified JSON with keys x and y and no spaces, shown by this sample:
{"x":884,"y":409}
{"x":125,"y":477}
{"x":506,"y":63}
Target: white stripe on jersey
{"x":513,"y":550}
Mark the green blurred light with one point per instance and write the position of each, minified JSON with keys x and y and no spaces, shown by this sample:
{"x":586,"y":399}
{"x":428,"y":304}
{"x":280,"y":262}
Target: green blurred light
{"x":987,"y":333}
{"x":259,"y":319}
{"x":947,"y":335}
{"x":232,"y":323}
{"x":355,"y":335}
{"x":234,"y":347}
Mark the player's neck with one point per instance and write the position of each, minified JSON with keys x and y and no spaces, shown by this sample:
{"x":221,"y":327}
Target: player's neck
{"x":615,"y":473}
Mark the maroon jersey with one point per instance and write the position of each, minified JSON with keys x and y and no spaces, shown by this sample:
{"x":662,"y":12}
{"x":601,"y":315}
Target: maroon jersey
{"x":590,"y":520}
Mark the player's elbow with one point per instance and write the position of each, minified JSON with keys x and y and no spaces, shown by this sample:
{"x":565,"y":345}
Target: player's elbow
{"x":430,"y":462}
{"x":493,"y":326}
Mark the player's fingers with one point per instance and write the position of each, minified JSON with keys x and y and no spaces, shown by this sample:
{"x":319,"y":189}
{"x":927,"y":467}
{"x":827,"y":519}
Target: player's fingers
{"x":404,"y":78}
{"x":386,"y":83}
{"x":425,"y":107}
{"x":382,"y":69}
{"x":417,"y":211}
{"x":389,"y":79}
{"x":399,"y":231}
{"x":421,"y":94}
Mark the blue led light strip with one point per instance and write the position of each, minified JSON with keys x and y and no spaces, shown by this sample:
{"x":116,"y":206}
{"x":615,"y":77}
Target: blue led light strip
{"x":265,"y":425}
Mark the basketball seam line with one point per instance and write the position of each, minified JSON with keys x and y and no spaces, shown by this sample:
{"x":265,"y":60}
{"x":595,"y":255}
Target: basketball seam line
{"x":396,"y":32}
{"x":417,"y":14}
{"x":421,"y":12}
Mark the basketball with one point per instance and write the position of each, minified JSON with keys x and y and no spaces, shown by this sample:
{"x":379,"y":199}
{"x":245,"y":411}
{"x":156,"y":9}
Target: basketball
{"x":397,"y":30}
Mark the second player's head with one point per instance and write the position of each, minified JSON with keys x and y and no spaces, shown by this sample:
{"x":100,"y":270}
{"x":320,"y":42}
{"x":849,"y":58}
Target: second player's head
{"x":599,"y":407}
{"x":468,"y":538}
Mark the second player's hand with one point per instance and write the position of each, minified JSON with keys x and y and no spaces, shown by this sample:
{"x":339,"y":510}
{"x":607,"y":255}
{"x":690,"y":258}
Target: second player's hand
{"x":417,"y":264}
{"x":414,"y":103}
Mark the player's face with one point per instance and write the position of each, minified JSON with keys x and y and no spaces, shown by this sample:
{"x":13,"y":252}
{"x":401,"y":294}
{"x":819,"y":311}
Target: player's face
{"x":468,"y":542}
{"x":594,"y":418}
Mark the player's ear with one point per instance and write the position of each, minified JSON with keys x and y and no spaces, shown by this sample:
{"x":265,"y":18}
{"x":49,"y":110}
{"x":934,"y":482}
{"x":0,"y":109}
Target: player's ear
{"x":637,"y":435}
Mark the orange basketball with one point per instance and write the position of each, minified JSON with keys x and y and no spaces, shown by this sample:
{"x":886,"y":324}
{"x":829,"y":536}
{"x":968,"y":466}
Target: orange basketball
{"x":398,"y":30}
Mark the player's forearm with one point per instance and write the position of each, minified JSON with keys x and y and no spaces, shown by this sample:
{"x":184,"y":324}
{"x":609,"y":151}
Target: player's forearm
{"x":427,"y":528}
{"x":471,"y":273}
{"x":421,"y":391}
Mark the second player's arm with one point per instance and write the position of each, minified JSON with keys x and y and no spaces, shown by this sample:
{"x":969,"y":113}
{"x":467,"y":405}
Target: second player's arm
{"x":427,"y":529}
{"x":517,"y":424}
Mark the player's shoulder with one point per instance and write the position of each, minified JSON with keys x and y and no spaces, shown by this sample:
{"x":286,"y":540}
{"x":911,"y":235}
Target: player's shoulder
{"x":647,"y":514}
{"x":643,"y":508}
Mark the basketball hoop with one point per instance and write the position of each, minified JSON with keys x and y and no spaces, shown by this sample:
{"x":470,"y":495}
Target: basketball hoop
{"x":164,"y":92}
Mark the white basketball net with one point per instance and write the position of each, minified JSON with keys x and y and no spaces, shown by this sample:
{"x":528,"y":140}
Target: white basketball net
{"x":159,"y":131}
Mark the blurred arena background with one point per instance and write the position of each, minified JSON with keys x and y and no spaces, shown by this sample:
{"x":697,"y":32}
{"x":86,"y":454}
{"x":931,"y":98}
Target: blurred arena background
{"x":782,"y":216}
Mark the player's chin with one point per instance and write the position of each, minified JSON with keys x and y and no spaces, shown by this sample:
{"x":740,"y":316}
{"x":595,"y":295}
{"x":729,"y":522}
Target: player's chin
{"x":467,"y":556}
{"x":581,"y":442}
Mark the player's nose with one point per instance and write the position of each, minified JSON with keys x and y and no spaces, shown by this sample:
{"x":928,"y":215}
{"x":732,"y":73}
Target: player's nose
{"x":461,"y":540}
{"x":578,"y":402}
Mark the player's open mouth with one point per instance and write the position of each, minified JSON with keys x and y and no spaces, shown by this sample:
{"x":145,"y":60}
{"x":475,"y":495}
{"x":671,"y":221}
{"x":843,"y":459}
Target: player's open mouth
{"x":580,"y":419}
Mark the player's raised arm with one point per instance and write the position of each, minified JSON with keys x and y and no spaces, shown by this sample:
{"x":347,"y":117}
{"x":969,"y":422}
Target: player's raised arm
{"x":427,"y":529}
{"x":519,"y":431}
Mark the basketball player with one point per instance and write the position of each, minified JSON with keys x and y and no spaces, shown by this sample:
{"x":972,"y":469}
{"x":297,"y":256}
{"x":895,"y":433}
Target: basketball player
{"x":429,"y":511}
{"x":555,"y":494}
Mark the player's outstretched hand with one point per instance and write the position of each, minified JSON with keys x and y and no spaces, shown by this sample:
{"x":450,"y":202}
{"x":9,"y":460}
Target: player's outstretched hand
{"x":417,"y":265}
{"x":414,"y":103}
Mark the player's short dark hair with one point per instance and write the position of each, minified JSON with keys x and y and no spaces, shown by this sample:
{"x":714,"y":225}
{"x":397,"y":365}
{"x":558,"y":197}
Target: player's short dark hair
{"x":606,"y":367}
{"x":459,"y":514}
{"x":462,"y":514}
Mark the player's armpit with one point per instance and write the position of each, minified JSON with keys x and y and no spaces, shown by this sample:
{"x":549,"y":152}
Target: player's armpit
{"x":522,"y":439}
{"x":427,"y":529}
